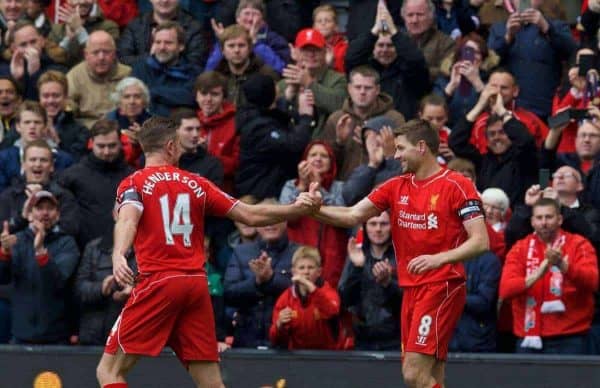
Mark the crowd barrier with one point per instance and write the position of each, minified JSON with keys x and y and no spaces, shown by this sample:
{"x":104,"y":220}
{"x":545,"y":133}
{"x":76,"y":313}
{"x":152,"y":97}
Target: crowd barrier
{"x":44,"y":366}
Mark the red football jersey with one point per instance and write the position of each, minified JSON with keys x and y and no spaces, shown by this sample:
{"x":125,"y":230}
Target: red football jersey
{"x":174,"y":202}
{"x":427,"y":218}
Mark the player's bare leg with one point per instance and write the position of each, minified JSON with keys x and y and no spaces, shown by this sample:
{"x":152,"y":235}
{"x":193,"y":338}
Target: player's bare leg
{"x":113,"y":367}
{"x":417,"y":370}
{"x":439,"y":372}
{"x":206,"y":374}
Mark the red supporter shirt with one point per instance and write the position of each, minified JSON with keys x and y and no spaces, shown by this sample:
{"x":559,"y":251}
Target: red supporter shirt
{"x":174,"y":202}
{"x":427,"y":217}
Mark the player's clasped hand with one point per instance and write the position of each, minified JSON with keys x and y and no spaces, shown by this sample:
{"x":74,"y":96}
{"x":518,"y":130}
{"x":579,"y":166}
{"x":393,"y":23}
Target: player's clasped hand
{"x":123,"y":274}
{"x":424,"y":263}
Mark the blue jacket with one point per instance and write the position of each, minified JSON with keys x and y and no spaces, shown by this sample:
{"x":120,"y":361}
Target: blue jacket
{"x":40,"y":294}
{"x":10,"y":164}
{"x":170,"y":86}
{"x":476,"y":329}
{"x":254,"y":303}
{"x":271,"y":47}
{"x":535,"y":60}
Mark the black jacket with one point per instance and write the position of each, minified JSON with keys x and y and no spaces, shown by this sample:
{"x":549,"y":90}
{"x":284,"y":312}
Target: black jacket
{"x":203,"y":164}
{"x":270,"y":149}
{"x":135,"y":41}
{"x":514,"y":171}
{"x":406,"y":79}
{"x":13,"y":198}
{"x":73,"y":136}
{"x":94,"y":183}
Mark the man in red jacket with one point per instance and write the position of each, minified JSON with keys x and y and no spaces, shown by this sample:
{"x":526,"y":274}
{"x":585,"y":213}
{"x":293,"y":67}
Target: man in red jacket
{"x":551,"y":276}
{"x":302,"y":315}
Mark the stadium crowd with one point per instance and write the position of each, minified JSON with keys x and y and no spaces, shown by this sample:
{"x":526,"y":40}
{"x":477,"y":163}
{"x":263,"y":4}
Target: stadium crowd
{"x":272,"y":95}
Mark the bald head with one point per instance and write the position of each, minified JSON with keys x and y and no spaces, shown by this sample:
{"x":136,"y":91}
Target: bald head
{"x":100,"y":53}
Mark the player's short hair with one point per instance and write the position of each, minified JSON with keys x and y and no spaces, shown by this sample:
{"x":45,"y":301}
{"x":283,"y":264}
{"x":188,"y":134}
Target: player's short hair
{"x":435,"y":100}
{"x":38,"y":143}
{"x":171,"y":25}
{"x":232,"y":32}
{"x":325,"y":8}
{"x":547,"y":202}
{"x":104,"y":127}
{"x":33,"y":107}
{"x":366,"y":71}
{"x":306,"y":252}
{"x":209,"y":80}
{"x":156,"y":132}
{"x":416,"y":130}
{"x":181,"y":114}
{"x":54,"y":76}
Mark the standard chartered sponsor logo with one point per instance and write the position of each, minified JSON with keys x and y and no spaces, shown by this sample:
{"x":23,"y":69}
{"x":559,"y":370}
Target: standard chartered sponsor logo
{"x":417,"y":221}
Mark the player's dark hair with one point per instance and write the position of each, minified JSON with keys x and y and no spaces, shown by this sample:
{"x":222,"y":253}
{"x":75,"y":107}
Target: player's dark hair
{"x":547,"y":202}
{"x":156,"y":132}
{"x":416,"y":130}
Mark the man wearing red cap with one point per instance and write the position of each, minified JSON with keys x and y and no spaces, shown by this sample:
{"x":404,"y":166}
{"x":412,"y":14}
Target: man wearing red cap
{"x":310,"y":73}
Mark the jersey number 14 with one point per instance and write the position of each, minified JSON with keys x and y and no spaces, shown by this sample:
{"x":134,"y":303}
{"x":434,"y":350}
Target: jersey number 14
{"x":181,"y":223}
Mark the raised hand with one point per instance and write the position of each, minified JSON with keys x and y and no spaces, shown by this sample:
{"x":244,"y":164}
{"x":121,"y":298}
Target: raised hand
{"x":40,"y":235}
{"x":374,"y":150}
{"x":17,"y":64}
{"x":217,"y":27}
{"x":382,"y":271}
{"x":355,"y":253}
{"x":533,"y":194}
{"x":387,"y":141}
{"x":7,"y":240}
{"x":303,"y":175}
{"x":306,"y":103}
{"x":343,"y":128}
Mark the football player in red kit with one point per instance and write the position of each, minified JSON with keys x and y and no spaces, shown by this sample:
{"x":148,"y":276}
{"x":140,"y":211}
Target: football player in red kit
{"x":161,"y":211}
{"x":437,"y":222}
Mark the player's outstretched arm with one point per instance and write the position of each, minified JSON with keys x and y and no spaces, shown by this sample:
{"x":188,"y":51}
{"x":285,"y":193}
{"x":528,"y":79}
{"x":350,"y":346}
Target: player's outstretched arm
{"x":347,"y":217}
{"x":125,"y":230}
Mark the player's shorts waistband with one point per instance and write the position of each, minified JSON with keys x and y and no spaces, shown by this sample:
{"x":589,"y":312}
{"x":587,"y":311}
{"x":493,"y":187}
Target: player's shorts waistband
{"x":143,"y":276}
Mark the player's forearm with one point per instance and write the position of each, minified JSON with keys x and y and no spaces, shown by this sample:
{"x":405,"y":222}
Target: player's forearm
{"x":262,"y":215}
{"x":339,"y":216}
{"x":124,"y":235}
{"x":474,"y":246}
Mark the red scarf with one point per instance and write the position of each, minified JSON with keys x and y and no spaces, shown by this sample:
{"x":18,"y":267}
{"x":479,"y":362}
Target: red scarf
{"x":544,"y":296}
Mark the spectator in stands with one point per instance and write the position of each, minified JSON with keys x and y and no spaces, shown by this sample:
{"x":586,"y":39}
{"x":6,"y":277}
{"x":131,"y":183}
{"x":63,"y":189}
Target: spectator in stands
{"x":100,"y":296}
{"x":31,"y":122}
{"x":505,"y":82}
{"x":362,"y":13}
{"x":511,"y":162}
{"x":10,"y":98}
{"x":551,"y":275}
{"x":419,"y":19}
{"x":28,"y":58}
{"x":168,"y":75}
{"x":475,"y":331}
{"x":77,"y":20}
{"x":136,"y":39}
{"x":311,"y":74}
{"x":456,"y":18}
{"x":378,"y":139}
{"x":325,"y":20}
{"x":257,"y":273}
{"x":10,"y":12}
{"x":365,"y":101}
{"x":369,"y":287}
{"x":95,"y":178}
{"x":270,"y":146}
{"x":399,"y":62}
{"x":539,"y":75}
{"x":496,"y":206}
{"x":92,"y":81}
{"x":239,"y":62}
{"x":584,"y":159}
{"x":267,"y":45}
{"x":282,"y":16}
{"x":318,"y":165}
{"x":35,"y":13}
{"x":63,"y":130}
{"x":37,"y":174}
{"x":217,"y":123}
{"x":464,"y":73}
{"x":434,"y":110}
{"x":303,"y":314}
{"x":39,"y":266}
{"x":195,"y":157}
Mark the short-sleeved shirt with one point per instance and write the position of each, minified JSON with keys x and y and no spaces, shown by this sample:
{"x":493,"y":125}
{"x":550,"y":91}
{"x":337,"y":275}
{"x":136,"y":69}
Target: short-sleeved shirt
{"x":427,"y":217}
{"x":174,"y":202}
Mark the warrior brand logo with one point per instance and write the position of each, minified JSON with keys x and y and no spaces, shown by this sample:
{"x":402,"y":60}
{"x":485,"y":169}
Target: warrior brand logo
{"x":421,"y":340}
{"x":404,"y":200}
{"x":432,"y":221}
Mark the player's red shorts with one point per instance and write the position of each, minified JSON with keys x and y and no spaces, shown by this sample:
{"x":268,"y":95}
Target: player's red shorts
{"x":167,"y":308}
{"x":429,"y":315}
